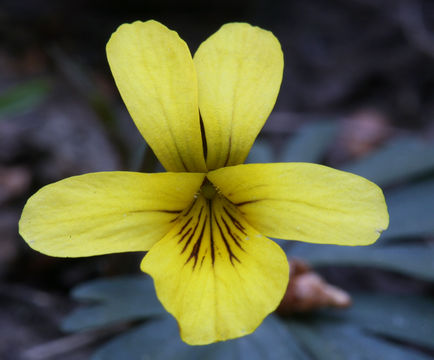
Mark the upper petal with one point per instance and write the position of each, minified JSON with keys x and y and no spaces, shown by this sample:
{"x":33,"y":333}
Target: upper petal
{"x":155,"y":75}
{"x":306,"y":202}
{"x":216,"y":274}
{"x":106,"y":212}
{"x":239,"y":71}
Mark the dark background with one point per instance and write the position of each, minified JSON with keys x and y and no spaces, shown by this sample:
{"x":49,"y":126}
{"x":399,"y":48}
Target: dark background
{"x":339,"y":54}
{"x":369,"y":63}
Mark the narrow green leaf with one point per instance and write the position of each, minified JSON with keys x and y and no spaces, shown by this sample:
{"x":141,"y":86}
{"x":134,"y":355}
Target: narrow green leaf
{"x":406,"y":318}
{"x":107,"y":289}
{"x":160,"y":340}
{"x":271,"y":341}
{"x":118,"y":300}
{"x":413,"y":260}
{"x":331,"y":341}
{"x":401,"y":159}
{"x":411,"y":211}
{"x":23,"y":97}
{"x":156,"y":340}
{"x":310,"y":143}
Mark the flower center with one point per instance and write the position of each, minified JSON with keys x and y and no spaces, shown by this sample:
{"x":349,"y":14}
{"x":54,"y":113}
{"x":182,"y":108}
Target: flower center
{"x":208,"y":190}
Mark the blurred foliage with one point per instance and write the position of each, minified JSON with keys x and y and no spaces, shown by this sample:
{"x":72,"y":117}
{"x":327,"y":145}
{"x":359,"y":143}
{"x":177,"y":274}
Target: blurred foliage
{"x":401,"y":159}
{"x":376,"y":326}
{"x":331,"y":335}
{"x":311,"y":142}
{"x":23,"y":97}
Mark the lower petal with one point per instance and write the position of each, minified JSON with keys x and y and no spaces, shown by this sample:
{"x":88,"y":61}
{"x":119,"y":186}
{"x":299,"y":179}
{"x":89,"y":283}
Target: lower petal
{"x":215,"y":274}
{"x":106,"y":212}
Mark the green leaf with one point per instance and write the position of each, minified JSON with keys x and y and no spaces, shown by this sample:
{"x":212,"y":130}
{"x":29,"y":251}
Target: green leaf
{"x":330,"y":341}
{"x":160,"y":340}
{"x":261,"y":152}
{"x":400,"y":159}
{"x":413,"y":260}
{"x":406,"y":318}
{"x":23,"y":97}
{"x":153,"y":340}
{"x":118,"y":300}
{"x":156,"y":340}
{"x":271,"y":341}
{"x":310,"y":143}
{"x":411,"y":211}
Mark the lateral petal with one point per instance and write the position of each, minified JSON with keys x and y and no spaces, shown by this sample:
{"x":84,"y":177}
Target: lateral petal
{"x":156,"y":78}
{"x":215,"y":274}
{"x":107,"y":212}
{"x":239,"y":71}
{"x":306,"y":202}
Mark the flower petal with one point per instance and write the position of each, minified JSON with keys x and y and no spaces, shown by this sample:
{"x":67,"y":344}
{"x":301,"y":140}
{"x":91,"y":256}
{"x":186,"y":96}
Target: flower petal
{"x":216,"y":274}
{"x":239,"y":71}
{"x":155,"y":75}
{"x":306,"y":202}
{"x":107,"y":212}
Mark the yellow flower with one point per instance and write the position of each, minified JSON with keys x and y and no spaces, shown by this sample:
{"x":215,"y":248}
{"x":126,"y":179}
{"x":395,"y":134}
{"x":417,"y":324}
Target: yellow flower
{"x":204,"y":223}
